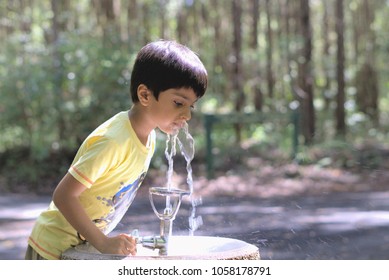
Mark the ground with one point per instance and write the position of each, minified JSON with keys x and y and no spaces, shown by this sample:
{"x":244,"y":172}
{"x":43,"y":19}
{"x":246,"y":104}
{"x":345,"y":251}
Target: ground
{"x":288,"y":211}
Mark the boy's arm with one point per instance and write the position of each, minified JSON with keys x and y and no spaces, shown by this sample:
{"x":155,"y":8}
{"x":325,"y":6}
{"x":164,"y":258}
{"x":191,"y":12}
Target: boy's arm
{"x":66,"y":199}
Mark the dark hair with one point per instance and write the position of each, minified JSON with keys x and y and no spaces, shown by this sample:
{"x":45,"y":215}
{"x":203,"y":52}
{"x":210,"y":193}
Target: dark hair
{"x":162,"y":65}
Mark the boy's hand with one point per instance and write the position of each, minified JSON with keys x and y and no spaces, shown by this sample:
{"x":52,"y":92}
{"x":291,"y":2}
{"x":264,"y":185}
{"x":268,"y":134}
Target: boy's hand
{"x":122,"y":244}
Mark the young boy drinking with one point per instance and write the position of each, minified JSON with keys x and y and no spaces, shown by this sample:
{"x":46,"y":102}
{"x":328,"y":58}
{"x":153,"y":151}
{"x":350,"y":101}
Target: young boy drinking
{"x":166,"y":81}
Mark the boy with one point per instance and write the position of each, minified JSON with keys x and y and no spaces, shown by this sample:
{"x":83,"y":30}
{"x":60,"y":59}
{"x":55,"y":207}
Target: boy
{"x":101,"y":183}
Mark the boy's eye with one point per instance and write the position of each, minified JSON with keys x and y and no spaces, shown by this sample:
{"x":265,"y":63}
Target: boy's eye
{"x":180,"y":104}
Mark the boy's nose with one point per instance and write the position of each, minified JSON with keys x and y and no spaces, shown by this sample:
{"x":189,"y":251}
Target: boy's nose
{"x":187,"y":115}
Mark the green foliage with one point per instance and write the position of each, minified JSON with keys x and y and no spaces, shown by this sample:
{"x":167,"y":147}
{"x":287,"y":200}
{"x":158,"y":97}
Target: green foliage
{"x":53,"y":94}
{"x":51,"y":98}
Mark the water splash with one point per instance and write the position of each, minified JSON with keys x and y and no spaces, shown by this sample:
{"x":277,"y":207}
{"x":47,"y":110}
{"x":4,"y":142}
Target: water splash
{"x":186,"y":144}
{"x":194,"y":222}
{"x":170,"y":144}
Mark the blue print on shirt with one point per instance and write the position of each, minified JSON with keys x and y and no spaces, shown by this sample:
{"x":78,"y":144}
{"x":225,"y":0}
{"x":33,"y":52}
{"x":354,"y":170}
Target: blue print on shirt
{"x":121,"y":201}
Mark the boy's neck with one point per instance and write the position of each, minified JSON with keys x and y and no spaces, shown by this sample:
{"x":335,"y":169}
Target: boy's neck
{"x":139,"y":124}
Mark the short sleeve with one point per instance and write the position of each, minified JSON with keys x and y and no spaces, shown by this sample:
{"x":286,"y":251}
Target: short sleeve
{"x":95,"y":158}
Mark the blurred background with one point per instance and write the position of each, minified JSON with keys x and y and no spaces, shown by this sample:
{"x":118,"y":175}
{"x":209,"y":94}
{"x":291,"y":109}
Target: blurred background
{"x":302,"y":81}
{"x":293,"y":129}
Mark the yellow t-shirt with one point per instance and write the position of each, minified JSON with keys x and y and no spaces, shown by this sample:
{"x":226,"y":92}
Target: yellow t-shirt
{"x":111,"y":163}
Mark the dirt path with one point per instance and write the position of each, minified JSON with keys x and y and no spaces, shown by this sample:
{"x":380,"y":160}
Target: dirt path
{"x":287,"y":211}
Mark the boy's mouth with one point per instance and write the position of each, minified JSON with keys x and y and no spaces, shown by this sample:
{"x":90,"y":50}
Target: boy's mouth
{"x":176,"y":126}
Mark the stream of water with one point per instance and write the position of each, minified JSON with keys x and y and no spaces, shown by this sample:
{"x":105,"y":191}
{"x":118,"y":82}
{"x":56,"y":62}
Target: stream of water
{"x":186,"y":145}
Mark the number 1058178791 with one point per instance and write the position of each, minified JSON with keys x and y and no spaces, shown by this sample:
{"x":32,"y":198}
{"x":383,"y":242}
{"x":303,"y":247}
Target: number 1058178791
{"x":241,"y":270}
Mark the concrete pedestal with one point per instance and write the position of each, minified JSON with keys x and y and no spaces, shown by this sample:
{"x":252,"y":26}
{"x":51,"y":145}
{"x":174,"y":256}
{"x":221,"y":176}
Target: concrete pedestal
{"x":180,"y":247}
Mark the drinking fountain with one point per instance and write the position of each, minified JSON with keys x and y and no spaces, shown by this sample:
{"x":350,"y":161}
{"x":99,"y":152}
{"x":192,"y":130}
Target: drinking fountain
{"x":173,"y":198}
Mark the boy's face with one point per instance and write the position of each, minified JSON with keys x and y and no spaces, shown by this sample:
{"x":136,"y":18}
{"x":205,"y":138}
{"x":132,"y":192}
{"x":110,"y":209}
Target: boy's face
{"x":173,"y":109}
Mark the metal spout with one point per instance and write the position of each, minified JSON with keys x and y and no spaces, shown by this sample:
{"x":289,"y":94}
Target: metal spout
{"x":152,"y":242}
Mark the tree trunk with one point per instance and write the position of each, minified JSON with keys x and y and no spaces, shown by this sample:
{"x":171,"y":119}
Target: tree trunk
{"x":181,"y":24}
{"x":340,"y":97}
{"x":366,"y":83}
{"x":146,"y":23}
{"x":132,"y":25}
{"x":220,"y":63}
{"x":110,"y":26}
{"x":326,"y":57}
{"x":305,"y":91}
{"x":237,"y":62}
{"x":288,"y":56}
{"x":255,"y":20}
{"x":269,"y":52}
{"x":280,"y":70}
{"x":258,"y":94}
{"x":58,"y":26}
{"x":162,"y":16}
{"x":218,"y":57}
{"x":367,"y":76}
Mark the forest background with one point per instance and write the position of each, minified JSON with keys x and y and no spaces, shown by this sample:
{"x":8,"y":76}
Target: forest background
{"x":293,"y":83}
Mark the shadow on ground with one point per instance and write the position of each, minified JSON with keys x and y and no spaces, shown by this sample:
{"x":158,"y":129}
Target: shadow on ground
{"x":329,"y":226}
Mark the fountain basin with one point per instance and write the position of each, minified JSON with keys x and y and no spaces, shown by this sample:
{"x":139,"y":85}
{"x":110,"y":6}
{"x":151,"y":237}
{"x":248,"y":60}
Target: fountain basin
{"x":179,"y":247}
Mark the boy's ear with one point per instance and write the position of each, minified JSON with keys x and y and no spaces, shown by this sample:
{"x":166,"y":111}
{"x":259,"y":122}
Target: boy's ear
{"x":144,"y":94}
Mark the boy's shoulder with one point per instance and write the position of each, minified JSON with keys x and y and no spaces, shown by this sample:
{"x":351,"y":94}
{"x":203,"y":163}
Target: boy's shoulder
{"x":112,"y":131}
{"x":118,"y":130}
{"x":112,"y":126}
